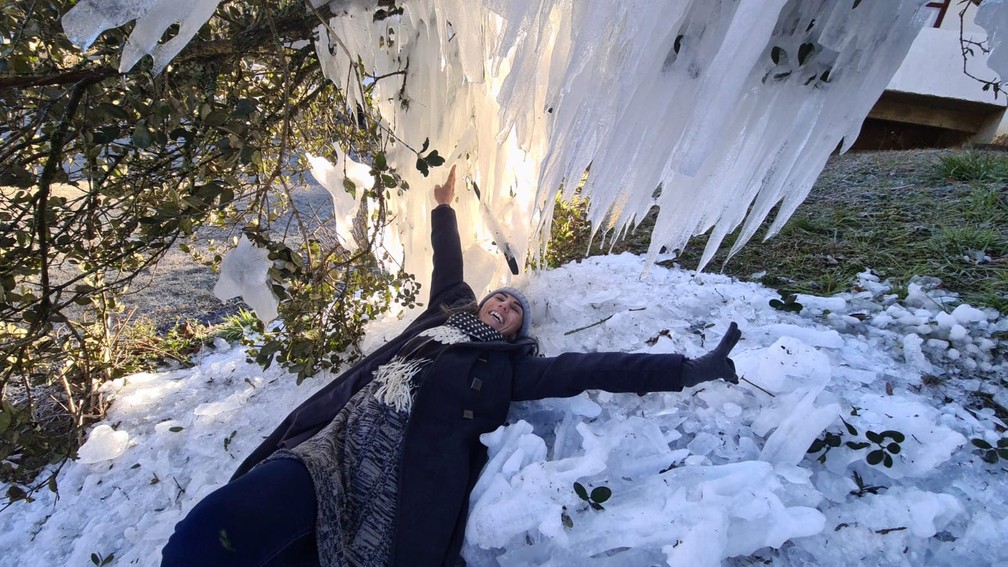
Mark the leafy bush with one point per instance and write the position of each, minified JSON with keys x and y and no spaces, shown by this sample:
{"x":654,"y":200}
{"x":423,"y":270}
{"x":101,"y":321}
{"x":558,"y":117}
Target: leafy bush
{"x":102,"y":173}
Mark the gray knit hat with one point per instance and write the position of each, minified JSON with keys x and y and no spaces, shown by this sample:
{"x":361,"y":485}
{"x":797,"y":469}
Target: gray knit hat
{"x":526,"y":308}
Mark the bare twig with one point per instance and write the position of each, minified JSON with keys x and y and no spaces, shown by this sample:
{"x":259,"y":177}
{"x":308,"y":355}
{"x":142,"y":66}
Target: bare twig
{"x":743,"y":378}
{"x":967,"y":46}
{"x":579,"y":329}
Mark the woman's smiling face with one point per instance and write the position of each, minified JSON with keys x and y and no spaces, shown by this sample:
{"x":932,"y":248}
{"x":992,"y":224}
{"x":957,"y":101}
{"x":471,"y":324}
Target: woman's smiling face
{"x":502,"y":312}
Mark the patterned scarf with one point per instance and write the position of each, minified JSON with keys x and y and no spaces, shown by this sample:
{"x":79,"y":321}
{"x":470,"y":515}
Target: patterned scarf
{"x":398,"y":377}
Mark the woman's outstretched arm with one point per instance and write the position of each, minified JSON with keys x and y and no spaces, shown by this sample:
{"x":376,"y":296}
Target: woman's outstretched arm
{"x":572,"y":373}
{"x":445,"y":240}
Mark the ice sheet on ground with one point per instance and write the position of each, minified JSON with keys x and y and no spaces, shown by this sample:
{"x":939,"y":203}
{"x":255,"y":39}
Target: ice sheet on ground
{"x":699,"y":477}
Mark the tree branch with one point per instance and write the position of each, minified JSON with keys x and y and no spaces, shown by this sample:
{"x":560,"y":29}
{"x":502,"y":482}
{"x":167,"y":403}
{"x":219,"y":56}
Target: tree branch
{"x":89,"y":76}
{"x":45,"y":181}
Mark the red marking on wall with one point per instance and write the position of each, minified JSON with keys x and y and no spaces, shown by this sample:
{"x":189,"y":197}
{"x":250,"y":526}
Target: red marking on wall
{"x":942,"y":9}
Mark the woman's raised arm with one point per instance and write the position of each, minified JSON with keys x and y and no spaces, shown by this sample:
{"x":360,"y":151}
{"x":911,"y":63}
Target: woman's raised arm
{"x":445,"y":240}
{"x":445,"y":193}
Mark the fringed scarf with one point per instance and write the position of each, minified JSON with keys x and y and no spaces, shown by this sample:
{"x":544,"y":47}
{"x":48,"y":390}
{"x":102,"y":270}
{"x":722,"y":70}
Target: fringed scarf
{"x":398,"y":377}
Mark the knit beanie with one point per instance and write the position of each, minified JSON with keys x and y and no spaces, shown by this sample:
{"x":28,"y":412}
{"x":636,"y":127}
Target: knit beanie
{"x":526,"y":308}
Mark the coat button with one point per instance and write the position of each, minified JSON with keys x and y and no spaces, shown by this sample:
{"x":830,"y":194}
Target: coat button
{"x":477,"y":384}
{"x":467,"y":414}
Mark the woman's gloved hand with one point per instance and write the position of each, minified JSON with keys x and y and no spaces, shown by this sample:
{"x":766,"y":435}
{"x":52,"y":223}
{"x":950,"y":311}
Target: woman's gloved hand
{"x":715,"y":364}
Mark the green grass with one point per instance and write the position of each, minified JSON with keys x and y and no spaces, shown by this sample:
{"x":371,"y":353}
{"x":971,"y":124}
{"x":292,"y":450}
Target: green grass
{"x":236,"y":327}
{"x":974,"y":166}
{"x":943,"y":216}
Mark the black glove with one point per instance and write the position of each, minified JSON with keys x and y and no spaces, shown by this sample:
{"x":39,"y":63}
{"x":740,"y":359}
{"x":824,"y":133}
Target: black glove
{"x":715,"y":364}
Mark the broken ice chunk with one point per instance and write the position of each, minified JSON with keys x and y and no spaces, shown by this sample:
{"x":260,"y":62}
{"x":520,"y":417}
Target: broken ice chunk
{"x":104,"y":444}
{"x":244,"y":272}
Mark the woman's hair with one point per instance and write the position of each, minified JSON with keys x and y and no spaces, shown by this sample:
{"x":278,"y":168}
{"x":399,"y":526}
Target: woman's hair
{"x":470,"y":307}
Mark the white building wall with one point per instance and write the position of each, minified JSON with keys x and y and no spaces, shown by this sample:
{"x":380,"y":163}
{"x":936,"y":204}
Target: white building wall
{"x":934,"y":65}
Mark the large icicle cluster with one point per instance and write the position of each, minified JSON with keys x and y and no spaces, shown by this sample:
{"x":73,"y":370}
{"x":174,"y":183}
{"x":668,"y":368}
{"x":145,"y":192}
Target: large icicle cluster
{"x":715,"y":111}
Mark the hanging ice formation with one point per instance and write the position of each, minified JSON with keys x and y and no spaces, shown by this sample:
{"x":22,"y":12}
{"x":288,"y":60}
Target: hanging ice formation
{"x":992,"y":15}
{"x":715,"y":111}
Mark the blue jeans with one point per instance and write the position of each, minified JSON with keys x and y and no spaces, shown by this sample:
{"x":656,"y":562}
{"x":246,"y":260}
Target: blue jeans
{"x":266,"y":517}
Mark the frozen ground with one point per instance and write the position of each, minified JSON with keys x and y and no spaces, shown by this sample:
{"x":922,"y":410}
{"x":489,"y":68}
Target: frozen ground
{"x":716,"y":474}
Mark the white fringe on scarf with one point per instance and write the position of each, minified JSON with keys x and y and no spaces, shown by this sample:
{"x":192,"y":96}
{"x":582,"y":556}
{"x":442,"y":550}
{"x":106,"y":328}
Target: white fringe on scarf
{"x":396,"y":378}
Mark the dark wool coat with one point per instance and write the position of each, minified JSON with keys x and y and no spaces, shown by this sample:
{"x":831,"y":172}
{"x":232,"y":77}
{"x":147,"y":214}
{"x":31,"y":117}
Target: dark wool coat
{"x":467,"y":392}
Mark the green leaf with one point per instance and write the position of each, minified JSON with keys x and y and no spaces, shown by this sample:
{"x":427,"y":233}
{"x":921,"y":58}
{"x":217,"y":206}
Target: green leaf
{"x":887,"y":460}
{"x":422,"y":166}
{"x":244,"y":107}
{"x":601,"y":494}
{"x":142,"y":137}
{"x":596,"y":506}
{"x":14,"y":493}
{"x":874,"y":437}
{"x":95,"y":559}
{"x":388,"y":181}
{"x":875,"y":457}
{"x":380,"y":162}
{"x":52,"y":485}
{"x":434,"y":160}
{"x":775,"y":55}
{"x":981,"y":444}
{"x":850,"y":428}
{"x":856,"y":4}
{"x":1003,"y":442}
{"x":176,"y":428}
{"x":894,"y":435}
{"x":426,"y":144}
{"x":793,"y":307}
{"x":579,"y":489}
{"x":104,"y":135}
{"x":990,"y":456}
{"x":216,"y":118}
{"x":113,"y":111}
{"x":1003,"y":453}
{"x":858,"y":446}
{"x":816,"y":446}
{"x":893,"y":448}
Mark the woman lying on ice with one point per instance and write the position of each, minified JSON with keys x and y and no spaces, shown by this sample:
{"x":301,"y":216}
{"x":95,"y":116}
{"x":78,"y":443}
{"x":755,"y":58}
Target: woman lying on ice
{"x":377,"y":467}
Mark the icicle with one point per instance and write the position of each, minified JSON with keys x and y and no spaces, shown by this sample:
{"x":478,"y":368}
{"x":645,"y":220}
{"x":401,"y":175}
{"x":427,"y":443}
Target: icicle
{"x":992,"y":16}
{"x":731,"y":108}
{"x":244,"y":271}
